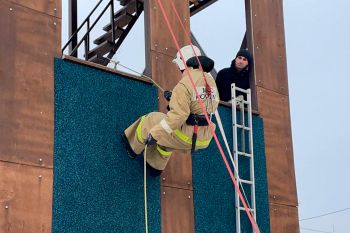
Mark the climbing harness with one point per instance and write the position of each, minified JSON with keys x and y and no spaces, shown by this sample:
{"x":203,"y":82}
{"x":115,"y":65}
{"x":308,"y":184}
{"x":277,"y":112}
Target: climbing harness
{"x":195,"y":120}
{"x":239,"y":193}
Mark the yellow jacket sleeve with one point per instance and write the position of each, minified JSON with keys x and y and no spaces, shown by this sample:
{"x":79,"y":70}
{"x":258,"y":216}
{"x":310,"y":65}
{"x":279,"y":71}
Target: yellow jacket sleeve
{"x":179,"y":111}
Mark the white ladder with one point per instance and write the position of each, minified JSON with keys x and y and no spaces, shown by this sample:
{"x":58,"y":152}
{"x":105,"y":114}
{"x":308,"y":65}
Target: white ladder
{"x":242,"y":127}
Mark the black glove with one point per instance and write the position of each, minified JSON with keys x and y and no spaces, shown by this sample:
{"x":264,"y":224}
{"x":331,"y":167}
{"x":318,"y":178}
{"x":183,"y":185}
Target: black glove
{"x":167,"y":95}
{"x":150,"y":140}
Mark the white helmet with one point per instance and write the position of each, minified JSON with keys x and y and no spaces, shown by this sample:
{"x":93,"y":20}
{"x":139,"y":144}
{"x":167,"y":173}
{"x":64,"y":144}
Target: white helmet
{"x":187,"y":53}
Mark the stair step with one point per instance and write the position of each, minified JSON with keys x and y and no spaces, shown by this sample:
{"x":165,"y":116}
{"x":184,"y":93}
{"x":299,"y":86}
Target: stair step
{"x":99,"y":60}
{"x":108,"y":36}
{"x":124,"y":2}
{"x":101,"y":49}
{"x":128,"y":10}
{"x":121,"y":22}
{"x":196,"y":6}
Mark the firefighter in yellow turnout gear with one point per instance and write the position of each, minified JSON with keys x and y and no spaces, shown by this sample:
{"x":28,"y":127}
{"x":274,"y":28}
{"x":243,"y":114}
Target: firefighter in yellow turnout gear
{"x":164,"y":133}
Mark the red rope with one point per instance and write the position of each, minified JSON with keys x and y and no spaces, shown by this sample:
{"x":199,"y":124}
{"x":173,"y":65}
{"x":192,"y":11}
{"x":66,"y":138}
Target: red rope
{"x":256,"y":229}
{"x":207,"y":86}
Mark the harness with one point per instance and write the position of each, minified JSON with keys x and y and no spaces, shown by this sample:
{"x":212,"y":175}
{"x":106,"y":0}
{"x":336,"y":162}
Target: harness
{"x":196,"y":120}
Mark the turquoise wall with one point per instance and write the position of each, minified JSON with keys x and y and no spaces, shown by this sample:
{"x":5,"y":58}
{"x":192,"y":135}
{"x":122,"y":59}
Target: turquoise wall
{"x":214,"y":193}
{"x":97,"y":188}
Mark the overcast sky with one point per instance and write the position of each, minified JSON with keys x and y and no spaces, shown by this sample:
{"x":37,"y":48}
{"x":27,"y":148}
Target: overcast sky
{"x":318,"y":56}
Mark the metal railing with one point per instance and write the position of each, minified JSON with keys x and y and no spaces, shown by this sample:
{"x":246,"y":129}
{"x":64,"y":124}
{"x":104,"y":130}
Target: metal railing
{"x":86,"y":37}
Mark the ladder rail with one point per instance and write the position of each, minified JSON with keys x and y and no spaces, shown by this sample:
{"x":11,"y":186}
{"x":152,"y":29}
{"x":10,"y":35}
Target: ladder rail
{"x":251,"y":151}
{"x":244,"y":127}
{"x":219,"y":122}
{"x":235,"y":150}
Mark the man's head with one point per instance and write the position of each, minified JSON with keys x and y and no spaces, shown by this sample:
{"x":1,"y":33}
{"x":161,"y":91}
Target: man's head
{"x":187,"y":53}
{"x":243,"y":60}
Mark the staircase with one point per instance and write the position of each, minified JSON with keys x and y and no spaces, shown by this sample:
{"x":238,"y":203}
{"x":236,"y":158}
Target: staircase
{"x":124,"y":20}
{"x":117,"y":30}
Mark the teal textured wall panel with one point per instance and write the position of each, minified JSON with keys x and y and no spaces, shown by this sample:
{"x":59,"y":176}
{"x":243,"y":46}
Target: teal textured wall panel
{"x":97,"y":187}
{"x":214,"y":193}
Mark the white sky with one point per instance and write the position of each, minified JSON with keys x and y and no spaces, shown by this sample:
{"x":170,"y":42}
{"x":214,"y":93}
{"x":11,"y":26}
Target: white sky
{"x":318,"y":56}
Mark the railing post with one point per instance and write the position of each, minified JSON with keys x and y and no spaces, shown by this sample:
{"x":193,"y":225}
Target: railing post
{"x":86,"y":47}
{"x":112,"y":21}
{"x":72,"y":26}
{"x":88,"y":35}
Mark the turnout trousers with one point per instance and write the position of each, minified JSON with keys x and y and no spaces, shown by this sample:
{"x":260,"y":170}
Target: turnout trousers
{"x":158,"y":154}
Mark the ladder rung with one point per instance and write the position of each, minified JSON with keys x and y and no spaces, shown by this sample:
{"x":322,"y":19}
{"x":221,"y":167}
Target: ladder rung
{"x":241,"y":90}
{"x":244,"y":154}
{"x":246,"y":181}
{"x":241,"y":126}
{"x":242,"y":208}
{"x":240,"y":101}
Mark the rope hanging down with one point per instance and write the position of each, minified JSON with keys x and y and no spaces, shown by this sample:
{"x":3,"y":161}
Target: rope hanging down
{"x":216,"y":112}
{"x":145,"y":186}
{"x":255,"y":227}
{"x":207,"y":87}
{"x":218,"y":119}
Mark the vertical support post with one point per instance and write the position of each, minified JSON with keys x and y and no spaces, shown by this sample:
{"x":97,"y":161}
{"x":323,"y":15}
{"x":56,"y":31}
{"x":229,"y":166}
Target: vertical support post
{"x":73,"y":24}
{"x":267,"y":43}
{"x":176,"y":180}
{"x":248,"y":42}
{"x":112,"y":20}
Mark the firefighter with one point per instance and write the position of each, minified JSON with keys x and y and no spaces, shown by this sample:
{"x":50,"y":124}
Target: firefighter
{"x":184,"y":127}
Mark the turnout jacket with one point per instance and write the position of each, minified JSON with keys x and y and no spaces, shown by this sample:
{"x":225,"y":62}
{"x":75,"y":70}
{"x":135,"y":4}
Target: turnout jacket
{"x":171,"y":130}
{"x":184,"y":102}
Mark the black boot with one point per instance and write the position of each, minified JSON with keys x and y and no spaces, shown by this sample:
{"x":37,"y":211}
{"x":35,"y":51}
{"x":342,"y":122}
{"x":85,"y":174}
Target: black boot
{"x":127,"y":146}
{"x":153,"y":172}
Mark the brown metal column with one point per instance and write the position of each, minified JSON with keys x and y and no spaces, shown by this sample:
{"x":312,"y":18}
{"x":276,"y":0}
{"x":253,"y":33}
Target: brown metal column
{"x":176,"y":181}
{"x":30,"y":35}
{"x":265,"y":36}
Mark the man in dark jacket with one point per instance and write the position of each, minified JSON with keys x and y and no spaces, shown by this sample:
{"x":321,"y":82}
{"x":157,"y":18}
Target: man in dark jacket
{"x":238,"y":73}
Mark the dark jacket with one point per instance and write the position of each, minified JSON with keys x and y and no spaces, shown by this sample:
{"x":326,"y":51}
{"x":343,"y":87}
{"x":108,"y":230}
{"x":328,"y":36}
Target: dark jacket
{"x":230,"y":75}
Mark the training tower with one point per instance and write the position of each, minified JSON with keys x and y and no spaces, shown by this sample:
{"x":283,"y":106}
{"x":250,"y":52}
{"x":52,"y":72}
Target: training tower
{"x":62,"y":165}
